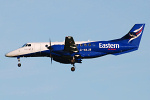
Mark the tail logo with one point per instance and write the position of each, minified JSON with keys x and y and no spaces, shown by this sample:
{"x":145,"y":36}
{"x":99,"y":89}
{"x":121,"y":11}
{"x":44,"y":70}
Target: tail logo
{"x":135,"y":34}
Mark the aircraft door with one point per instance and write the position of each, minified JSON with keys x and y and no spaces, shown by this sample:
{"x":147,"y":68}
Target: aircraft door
{"x":37,"y":47}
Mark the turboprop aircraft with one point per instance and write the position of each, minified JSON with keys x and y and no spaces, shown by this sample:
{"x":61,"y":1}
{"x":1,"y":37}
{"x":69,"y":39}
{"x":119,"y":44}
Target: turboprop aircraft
{"x":70,"y":52}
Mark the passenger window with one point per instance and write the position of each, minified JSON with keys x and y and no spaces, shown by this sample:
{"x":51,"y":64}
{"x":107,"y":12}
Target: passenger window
{"x":89,"y":44}
{"x":81,"y":45}
{"x":85,"y":44}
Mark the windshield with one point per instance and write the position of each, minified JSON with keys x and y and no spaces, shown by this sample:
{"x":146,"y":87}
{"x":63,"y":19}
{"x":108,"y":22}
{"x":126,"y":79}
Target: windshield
{"x":26,"y":45}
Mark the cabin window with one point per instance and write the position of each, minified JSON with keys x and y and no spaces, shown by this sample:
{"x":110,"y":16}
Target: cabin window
{"x":85,"y":44}
{"x":89,"y":44}
{"x":77,"y":44}
{"x":81,"y":45}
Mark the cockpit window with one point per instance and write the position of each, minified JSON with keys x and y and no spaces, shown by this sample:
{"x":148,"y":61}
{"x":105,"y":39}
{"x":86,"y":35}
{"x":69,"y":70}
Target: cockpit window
{"x":29,"y":45}
{"x":26,"y":45}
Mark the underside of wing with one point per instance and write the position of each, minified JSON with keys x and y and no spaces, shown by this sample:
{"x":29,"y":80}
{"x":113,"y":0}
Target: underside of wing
{"x":68,"y":53}
{"x":70,"y":45}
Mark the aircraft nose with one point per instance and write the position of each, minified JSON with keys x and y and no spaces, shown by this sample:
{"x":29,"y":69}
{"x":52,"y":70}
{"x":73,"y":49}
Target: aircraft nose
{"x":11,"y":54}
{"x":8,"y":55}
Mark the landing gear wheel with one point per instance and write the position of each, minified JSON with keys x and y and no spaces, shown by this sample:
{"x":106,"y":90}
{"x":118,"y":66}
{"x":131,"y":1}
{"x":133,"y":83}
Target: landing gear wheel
{"x":19,"y":64}
{"x":72,"y":69}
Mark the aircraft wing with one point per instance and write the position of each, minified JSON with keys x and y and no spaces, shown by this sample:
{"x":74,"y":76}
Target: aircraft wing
{"x":70,"y":45}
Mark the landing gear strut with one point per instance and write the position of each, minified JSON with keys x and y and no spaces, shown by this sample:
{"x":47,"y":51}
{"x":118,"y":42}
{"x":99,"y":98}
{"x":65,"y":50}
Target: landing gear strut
{"x":19,"y":64}
{"x":73,"y":68}
{"x":73,"y":62}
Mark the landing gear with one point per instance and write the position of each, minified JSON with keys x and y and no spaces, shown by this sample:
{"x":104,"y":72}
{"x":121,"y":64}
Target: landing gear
{"x":73,"y":62}
{"x":72,"y":69}
{"x":19,"y":64}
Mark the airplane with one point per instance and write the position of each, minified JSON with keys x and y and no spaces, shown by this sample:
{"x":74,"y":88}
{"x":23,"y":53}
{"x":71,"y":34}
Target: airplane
{"x":71,"y":52}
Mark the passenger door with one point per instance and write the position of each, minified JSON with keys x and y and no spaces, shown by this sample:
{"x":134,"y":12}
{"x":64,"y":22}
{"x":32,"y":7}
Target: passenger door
{"x":37,"y":47}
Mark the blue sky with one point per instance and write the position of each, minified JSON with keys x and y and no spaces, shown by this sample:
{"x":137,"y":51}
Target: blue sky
{"x":124,"y":77}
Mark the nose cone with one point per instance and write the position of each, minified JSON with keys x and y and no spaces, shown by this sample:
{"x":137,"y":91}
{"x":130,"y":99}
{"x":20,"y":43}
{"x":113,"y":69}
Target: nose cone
{"x":6,"y":55}
{"x":12,"y":54}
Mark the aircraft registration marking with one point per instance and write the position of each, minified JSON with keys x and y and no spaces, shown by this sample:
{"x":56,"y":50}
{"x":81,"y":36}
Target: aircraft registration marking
{"x":85,"y":49}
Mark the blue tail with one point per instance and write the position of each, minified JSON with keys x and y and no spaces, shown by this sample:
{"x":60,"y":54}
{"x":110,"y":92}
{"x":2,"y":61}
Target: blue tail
{"x":134,"y":35}
{"x":131,"y":39}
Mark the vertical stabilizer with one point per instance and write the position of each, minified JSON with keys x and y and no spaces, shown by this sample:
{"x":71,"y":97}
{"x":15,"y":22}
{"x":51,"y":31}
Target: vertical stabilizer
{"x":134,"y":35}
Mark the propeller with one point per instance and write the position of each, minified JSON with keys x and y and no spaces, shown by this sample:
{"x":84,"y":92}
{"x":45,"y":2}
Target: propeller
{"x":50,"y":48}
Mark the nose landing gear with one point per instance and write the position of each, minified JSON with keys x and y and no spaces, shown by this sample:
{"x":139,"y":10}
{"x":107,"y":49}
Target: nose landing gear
{"x":19,"y":64}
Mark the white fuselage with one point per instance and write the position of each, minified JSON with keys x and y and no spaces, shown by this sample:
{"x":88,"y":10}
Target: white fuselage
{"x":35,"y":47}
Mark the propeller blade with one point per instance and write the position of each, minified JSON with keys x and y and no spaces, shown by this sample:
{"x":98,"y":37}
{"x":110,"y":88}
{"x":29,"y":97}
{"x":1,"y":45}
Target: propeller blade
{"x":50,"y":42}
{"x":50,"y":48}
{"x":51,"y":60}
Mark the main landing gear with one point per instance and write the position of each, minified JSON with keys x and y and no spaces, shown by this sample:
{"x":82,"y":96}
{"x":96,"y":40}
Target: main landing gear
{"x":73,"y":68}
{"x":73,"y":62}
{"x":19,"y":64}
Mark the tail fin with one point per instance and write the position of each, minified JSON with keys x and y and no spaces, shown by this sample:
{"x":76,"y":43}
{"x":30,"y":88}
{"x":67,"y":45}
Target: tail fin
{"x":134,"y":35}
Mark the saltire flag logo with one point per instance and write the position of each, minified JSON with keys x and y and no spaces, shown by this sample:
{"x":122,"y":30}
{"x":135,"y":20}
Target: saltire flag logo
{"x":135,"y":34}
